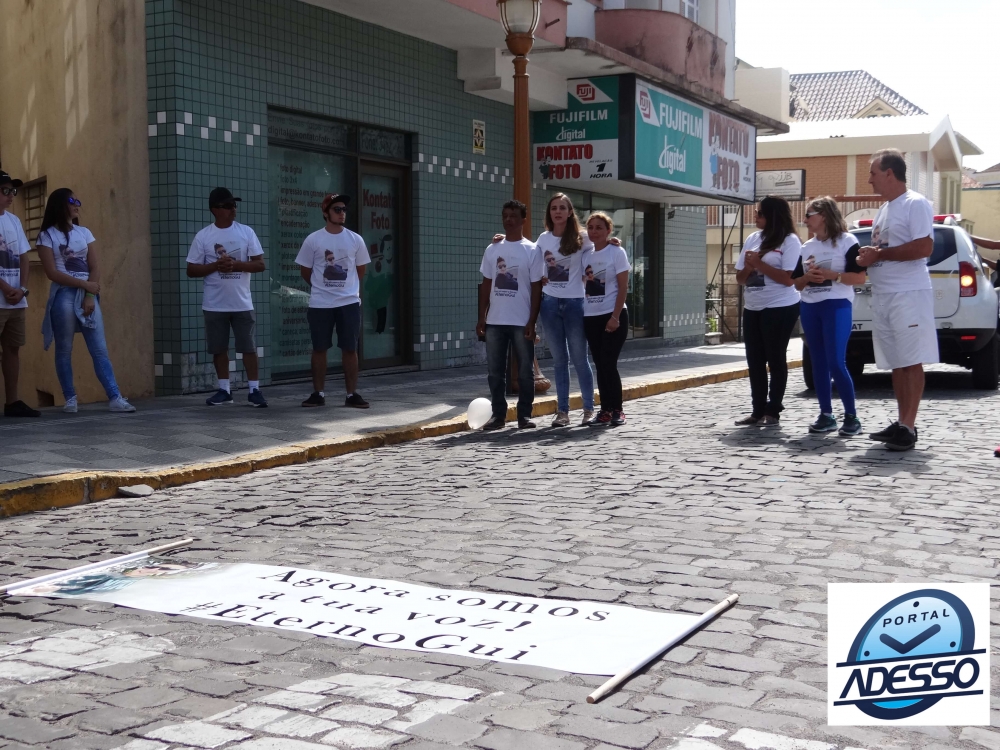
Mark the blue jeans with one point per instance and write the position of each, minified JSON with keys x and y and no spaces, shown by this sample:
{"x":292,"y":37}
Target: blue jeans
{"x":562,"y":322}
{"x":498,"y":338}
{"x":827,"y":326}
{"x":64,"y":327}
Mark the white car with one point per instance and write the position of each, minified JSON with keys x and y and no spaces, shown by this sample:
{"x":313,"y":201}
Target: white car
{"x":966,"y":310}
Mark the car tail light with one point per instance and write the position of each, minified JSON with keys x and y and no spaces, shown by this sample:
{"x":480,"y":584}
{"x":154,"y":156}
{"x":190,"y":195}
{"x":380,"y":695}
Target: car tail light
{"x":967,"y":280}
{"x":865,"y":222}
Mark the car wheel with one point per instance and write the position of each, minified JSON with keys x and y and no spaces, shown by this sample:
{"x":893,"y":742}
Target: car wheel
{"x":807,"y":367}
{"x":855,"y":368}
{"x":985,"y":367}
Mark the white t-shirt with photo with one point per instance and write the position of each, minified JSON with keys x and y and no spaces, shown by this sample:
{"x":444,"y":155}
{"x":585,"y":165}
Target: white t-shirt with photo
{"x":226,"y":292}
{"x":512,"y":267}
{"x":13,"y":244}
{"x":761,"y":292}
{"x":839,"y":256}
{"x":564,"y":272}
{"x":904,"y":219}
{"x":600,"y":278}
{"x":70,"y":253}
{"x":334,"y":260}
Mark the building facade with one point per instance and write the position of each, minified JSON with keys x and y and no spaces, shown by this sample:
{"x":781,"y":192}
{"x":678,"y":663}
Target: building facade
{"x":406,"y":105}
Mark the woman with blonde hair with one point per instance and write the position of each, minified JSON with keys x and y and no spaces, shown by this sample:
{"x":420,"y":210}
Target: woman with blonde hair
{"x":605,"y":316}
{"x":826,"y":277}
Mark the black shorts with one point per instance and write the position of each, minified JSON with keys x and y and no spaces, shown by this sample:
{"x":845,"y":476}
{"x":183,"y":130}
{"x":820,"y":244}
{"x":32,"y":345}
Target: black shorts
{"x":346,"y":319}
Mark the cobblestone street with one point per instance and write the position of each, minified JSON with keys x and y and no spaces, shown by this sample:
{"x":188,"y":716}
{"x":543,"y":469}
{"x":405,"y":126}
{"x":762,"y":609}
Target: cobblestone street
{"x":673,"y":511}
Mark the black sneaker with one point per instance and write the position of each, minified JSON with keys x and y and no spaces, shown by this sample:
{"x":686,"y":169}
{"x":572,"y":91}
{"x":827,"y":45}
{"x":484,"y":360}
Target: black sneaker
{"x":524,"y":423}
{"x":851,"y":426}
{"x":356,"y":401}
{"x":314,"y":400}
{"x":884,"y":435}
{"x":256,"y":398}
{"x":20,"y":409}
{"x":495,"y":423}
{"x":823,"y":423}
{"x":219,"y":397}
{"x":903,"y":440}
{"x":617,"y":418}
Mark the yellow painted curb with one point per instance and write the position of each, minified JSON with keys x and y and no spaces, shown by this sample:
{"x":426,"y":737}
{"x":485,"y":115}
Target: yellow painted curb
{"x":75,"y":488}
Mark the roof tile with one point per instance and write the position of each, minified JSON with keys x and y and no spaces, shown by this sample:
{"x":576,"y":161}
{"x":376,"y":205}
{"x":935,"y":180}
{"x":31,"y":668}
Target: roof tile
{"x":841,"y":95}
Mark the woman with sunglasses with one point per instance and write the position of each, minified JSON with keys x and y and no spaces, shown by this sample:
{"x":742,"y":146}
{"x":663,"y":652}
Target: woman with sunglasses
{"x":826,"y":277}
{"x":70,"y":260}
{"x":771,"y":306}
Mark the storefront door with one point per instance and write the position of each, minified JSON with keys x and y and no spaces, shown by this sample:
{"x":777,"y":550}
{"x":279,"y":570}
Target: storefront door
{"x":642,"y":291}
{"x":385,"y":233}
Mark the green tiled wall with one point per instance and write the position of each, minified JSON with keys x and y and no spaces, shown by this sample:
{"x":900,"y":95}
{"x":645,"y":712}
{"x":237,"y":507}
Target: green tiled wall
{"x":215,"y":63}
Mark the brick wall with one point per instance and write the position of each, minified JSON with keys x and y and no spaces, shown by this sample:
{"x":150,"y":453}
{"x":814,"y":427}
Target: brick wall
{"x":861,"y":186}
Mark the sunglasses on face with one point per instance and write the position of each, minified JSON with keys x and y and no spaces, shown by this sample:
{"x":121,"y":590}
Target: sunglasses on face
{"x":74,"y":201}
{"x":810,"y":214}
{"x":8,"y":190}
{"x":228,"y":206}
{"x":339,"y":209}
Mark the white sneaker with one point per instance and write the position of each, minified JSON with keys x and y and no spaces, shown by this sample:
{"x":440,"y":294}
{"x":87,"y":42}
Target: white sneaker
{"x":70,"y":407}
{"x":120,"y":404}
{"x":588,"y":417}
{"x":561,"y":420}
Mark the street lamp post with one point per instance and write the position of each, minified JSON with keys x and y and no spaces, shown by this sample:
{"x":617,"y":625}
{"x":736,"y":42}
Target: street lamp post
{"x":520,"y":19}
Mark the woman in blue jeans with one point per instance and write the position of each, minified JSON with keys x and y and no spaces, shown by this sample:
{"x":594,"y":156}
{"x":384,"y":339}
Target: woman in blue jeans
{"x":826,"y":277}
{"x":562,"y":246}
{"x":70,"y":260}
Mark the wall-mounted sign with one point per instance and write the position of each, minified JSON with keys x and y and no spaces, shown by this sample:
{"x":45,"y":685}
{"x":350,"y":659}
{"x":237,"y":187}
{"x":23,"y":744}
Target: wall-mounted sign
{"x":581,"y":142}
{"x":623,"y":128}
{"x":682,"y":144}
{"x":789,"y":184}
{"x":478,"y":137}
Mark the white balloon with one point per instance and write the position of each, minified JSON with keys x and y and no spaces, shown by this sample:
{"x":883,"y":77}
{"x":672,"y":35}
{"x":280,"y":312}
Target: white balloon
{"x":480,"y":411}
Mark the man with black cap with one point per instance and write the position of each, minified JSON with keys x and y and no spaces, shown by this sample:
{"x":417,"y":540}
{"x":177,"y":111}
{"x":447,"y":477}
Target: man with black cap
{"x":13,"y":297}
{"x":332,"y":261}
{"x":225,"y":253}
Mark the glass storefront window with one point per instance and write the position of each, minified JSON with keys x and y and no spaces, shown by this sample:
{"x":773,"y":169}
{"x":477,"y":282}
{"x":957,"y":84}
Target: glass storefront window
{"x":299,"y":180}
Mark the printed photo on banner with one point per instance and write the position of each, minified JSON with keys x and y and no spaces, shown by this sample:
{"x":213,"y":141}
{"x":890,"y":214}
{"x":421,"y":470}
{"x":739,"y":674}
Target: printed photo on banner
{"x":908,"y":654}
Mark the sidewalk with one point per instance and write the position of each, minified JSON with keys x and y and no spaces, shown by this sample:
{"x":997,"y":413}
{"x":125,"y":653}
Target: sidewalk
{"x":177,"y":431}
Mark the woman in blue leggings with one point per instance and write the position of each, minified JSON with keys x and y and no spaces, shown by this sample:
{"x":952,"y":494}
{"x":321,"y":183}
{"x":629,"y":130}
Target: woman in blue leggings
{"x":826,"y":277}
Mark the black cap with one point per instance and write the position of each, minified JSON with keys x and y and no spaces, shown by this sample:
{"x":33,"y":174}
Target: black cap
{"x":220,"y":196}
{"x":4,"y":177}
{"x":332,"y":198}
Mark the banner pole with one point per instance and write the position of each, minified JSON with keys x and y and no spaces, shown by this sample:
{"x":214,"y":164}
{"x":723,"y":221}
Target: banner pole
{"x":10,"y":588}
{"x":619,"y":678}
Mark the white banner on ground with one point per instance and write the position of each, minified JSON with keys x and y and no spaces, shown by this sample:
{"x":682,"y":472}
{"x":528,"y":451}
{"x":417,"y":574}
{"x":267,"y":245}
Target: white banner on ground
{"x":574,"y":636}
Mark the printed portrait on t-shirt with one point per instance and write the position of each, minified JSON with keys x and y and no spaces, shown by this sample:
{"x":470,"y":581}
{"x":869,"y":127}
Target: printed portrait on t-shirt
{"x":336,"y":268}
{"x":593,"y":281}
{"x":811,"y":262}
{"x":556,"y":270}
{"x":506,"y":278}
{"x":72,"y":261}
{"x":220,"y":251}
{"x":8,"y":259}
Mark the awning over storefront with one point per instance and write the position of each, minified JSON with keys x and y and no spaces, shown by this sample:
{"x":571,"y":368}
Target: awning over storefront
{"x":624,"y":136}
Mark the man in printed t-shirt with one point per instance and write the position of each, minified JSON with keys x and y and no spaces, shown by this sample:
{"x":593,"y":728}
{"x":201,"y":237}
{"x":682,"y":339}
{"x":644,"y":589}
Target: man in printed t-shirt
{"x":332,"y":261}
{"x":225,"y":253}
{"x":903,"y":329}
{"x":512,"y":293}
{"x":13,"y":297}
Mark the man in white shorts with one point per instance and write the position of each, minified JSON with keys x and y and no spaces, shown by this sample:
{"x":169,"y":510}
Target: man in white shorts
{"x":903,"y":330}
